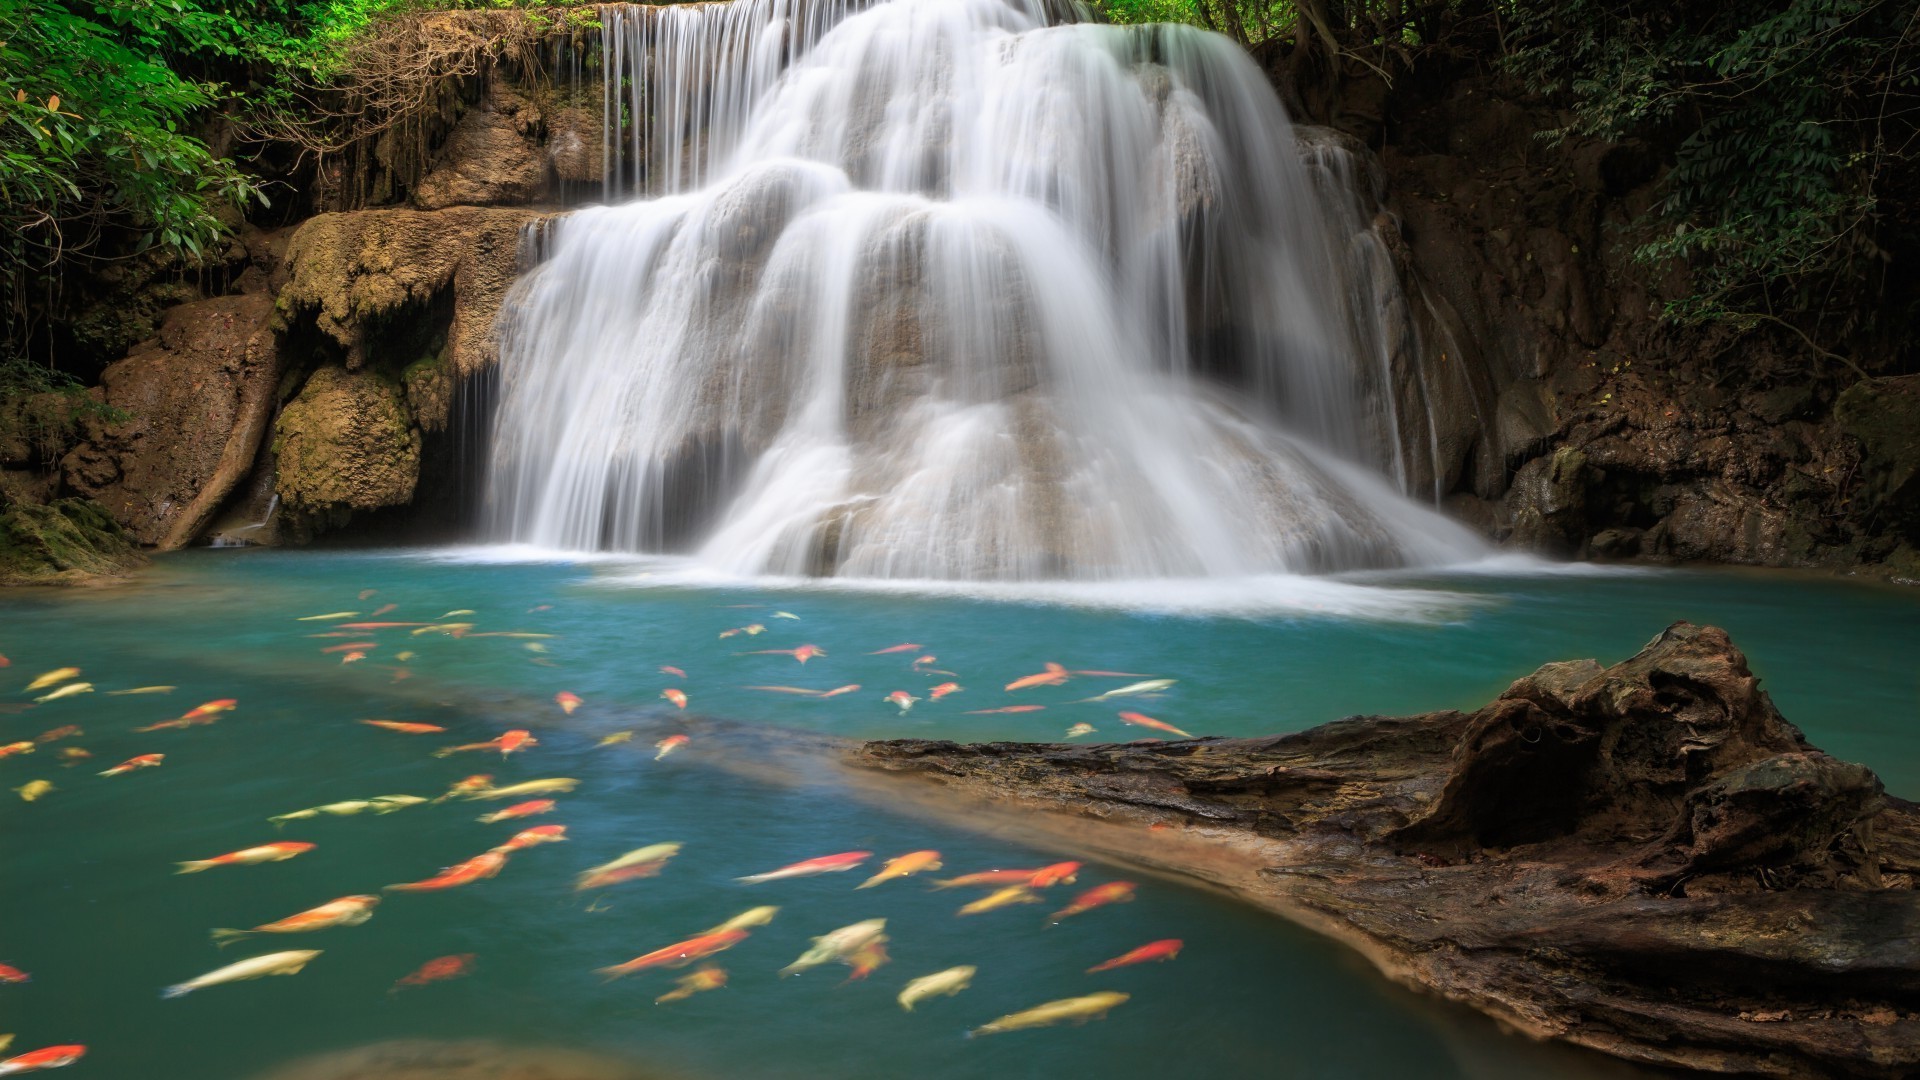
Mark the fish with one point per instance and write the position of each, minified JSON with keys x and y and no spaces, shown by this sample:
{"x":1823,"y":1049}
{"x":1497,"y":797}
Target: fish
{"x":678,"y":954}
{"x":405,"y":727}
{"x":785,"y":615}
{"x":1006,"y":709}
{"x":678,"y":697}
{"x":6,"y":1040}
{"x":616,"y":737}
{"x":343,"y":808}
{"x":474,"y":783}
{"x":381,"y":610}
{"x":943,"y":690}
{"x":751,"y":630}
{"x":987,"y":879}
{"x":529,"y":787}
{"x":867,"y":959}
{"x":329,"y":616}
{"x":1164,"y":949}
{"x":403,"y":657}
{"x":47,"y":1057}
{"x":346,"y":911}
{"x":669,"y":669}
{"x":706,"y":978}
{"x":143,"y":690}
{"x":903,"y":866}
{"x":451,"y":629}
{"x":1142,"y":720}
{"x":539,"y":834}
{"x":349,"y":647}
{"x":68,"y":690}
{"x":484,"y":865}
{"x":902,"y":699}
{"x":280,"y":963}
{"x":1115,"y":892}
{"x":639,"y":863}
{"x":1081,"y":1009}
{"x":825,"y":864}
{"x":517,"y":810}
{"x":32,"y":790}
{"x":568,"y":701}
{"x":1150,"y":686}
{"x":838,"y":690}
{"x":535,"y":646}
{"x":458,"y":612}
{"x":838,"y":945}
{"x":517,"y":739}
{"x":387,"y":804}
{"x":1012,"y":894}
{"x":748,"y":919}
{"x":1060,"y":873}
{"x":1054,"y":675}
{"x":279,"y":851}
{"x":1078,"y":730}
{"x":377,"y":625}
{"x":436,"y":970}
{"x":367,"y":594}
{"x":51,"y":678}
{"x":907,"y":647}
{"x":799,"y":690}
{"x":65,"y":731}
{"x":353,"y":657}
{"x":941,"y":983}
{"x":74,"y":755}
{"x":668,"y":745}
{"x":803,"y":653}
{"x":13,"y":748}
{"x":539,"y":608}
{"x":141,"y":761}
{"x":11,"y":974}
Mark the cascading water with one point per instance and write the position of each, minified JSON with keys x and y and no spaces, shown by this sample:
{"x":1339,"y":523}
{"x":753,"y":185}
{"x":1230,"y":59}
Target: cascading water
{"x":949,"y":289}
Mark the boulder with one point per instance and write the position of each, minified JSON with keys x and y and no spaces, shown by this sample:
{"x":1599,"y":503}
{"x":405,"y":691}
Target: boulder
{"x":67,"y":542}
{"x":1884,"y":415}
{"x":492,"y":158}
{"x":346,"y":443}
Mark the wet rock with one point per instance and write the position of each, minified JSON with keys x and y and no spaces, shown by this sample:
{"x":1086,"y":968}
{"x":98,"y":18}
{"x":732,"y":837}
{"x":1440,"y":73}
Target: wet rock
{"x":183,"y":416}
{"x":1549,"y":502}
{"x":492,"y":158}
{"x":66,"y":542}
{"x":345,"y":443}
{"x":1884,"y":415}
{"x":1645,"y":859}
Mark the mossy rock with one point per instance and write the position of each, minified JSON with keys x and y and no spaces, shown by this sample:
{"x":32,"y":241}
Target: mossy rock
{"x":1884,"y":414}
{"x":68,"y":542}
{"x":346,"y":443}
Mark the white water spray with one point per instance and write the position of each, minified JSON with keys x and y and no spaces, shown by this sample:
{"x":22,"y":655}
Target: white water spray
{"x":950,"y":289}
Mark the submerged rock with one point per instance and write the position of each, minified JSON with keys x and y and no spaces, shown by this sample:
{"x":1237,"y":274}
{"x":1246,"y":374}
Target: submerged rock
{"x":1645,"y":859}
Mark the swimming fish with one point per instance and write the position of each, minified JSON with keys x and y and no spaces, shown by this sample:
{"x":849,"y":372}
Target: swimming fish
{"x":329,"y":616}
{"x":1006,"y":709}
{"x":669,"y":669}
{"x":785,"y":615}
{"x":798,"y":690}
{"x":903,"y":866}
{"x":943,"y":690}
{"x":353,"y":657}
{"x":907,"y":647}
{"x":1116,"y":892}
{"x":470,"y":785}
{"x":517,"y":739}
{"x":803,"y":653}
{"x":68,"y":690}
{"x":568,"y":701}
{"x":65,"y":731}
{"x":748,"y":919}
{"x":1053,"y":676}
{"x":484,"y":865}
{"x":903,"y":699}
{"x":529,"y":787}
{"x":436,"y":970}
{"x":539,"y":834}
{"x":57,"y":675}
{"x":1078,"y":730}
{"x":141,"y":761}
{"x":403,"y":657}
{"x":639,"y":863}
{"x":678,"y":954}
{"x":1150,"y":686}
{"x":1142,"y":720}
{"x":838,"y":945}
{"x":33,"y":790}
{"x":278,"y":851}
{"x":706,"y":978}
{"x":987,"y":879}
{"x":379,"y":804}
{"x":668,"y":745}
{"x":11,"y":974}
{"x":678,"y":697}
{"x":143,"y":690}
{"x":867,"y":959}
{"x":1060,"y":873}
{"x":1012,"y":894}
{"x":1165,"y":949}
{"x":6,"y":1039}
{"x":346,"y":911}
{"x":381,"y":610}
{"x":947,"y":983}
{"x":47,"y":1057}
{"x":838,"y":690}
{"x":404,"y":727}
{"x":349,"y":647}
{"x":1082,"y":1009}
{"x":825,"y":864}
{"x":199,"y":714}
{"x":13,"y":748}
{"x":616,"y":737}
{"x":750,"y":630}
{"x":518,"y":810}
{"x":451,"y":629}
{"x":74,"y":755}
{"x":280,"y":963}
{"x":458,"y":612}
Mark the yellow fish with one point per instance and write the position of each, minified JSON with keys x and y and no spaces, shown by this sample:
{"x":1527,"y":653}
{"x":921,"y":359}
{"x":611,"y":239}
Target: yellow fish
{"x":911,"y":863}
{"x":461,"y":611}
{"x":747,"y":920}
{"x":328,"y":616}
{"x":143,"y":690}
{"x":948,"y":982}
{"x":707,"y":978}
{"x":58,"y":675}
{"x":33,"y":790}
{"x":530,"y":787}
{"x":1012,"y":894}
{"x":1091,"y":1007}
{"x":616,"y":737}
{"x":454,"y":628}
{"x":68,"y":690}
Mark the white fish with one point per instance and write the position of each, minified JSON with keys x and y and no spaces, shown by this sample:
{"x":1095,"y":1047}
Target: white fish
{"x":280,"y":963}
{"x":839,"y":943}
{"x":1150,"y":686}
{"x":1080,"y":1009}
{"x":948,"y":982}
{"x":66,"y":691}
{"x":747,"y":920}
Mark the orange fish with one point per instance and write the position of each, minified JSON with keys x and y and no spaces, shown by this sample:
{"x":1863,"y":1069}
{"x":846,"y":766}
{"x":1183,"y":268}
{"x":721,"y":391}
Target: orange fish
{"x":803,"y":654}
{"x":539,"y":834}
{"x":568,"y":701}
{"x":438,"y":969}
{"x":799,"y":690}
{"x":825,"y":864}
{"x":484,"y":865}
{"x":669,"y":669}
{"x":707,"y":978}
{"x":353,"y":656}
{"x":943,"y":690}
{"x":518,"y":810}
{"x":405,"y":728}
{"x":838,"y":690}
{"x":1005,"y":709}
{"x":1060,"y":873}
{"x":366,"y":593}
{"x":1116,"y":892}
{"x":350,"y":646}
{"x":905,"y":865}
{"x":539,"y":607}
{"x":668,"y":745}
{"x":1141,"y":720}
{"x":4,"y":662}
{"x":1053,"y":676}
{"x":987,"y":879}
{"x":678,"y":697}
{"x":11,"y":974}
{"x":903,"y":699}
{"x":867,"y":959}
{"x":922,"y":661}
{"x":13,"y":748}
{"x":274,"y":852}
{"x":47,"y":1057}
{"x":507,"y":743}
{"x":143,"y":761}
{"x":67,"y":731}
{"x":382,"y":610}
{"x":1165,"y":949}
{"x":680,"y":953}
{"x":476,"y":782}
{"x":346,"y":911}
{"x":200,"y":714}
{"x":908,"y":647}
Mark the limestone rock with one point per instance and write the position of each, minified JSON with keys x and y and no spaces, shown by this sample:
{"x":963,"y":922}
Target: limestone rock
{"x":68,"y":542}
{"x":1549,"y":502}
{"x":492,"y":158}
{"x":346,"y":443}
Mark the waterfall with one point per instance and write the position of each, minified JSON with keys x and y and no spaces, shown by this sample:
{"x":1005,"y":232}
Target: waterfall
{"x":951,"y":289}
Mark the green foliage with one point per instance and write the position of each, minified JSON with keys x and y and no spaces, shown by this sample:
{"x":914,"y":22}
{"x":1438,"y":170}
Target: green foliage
{"x":1132,"y":12}
{"x":45,"y":406}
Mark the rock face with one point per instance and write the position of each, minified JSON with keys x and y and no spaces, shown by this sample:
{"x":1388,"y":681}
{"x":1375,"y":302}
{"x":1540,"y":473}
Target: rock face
{"x":346,"y":443}
{"x":1645,"y":859}
{"x":197,"y":400}
{"x":66,"y":542}
{"x":492,"y":158}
